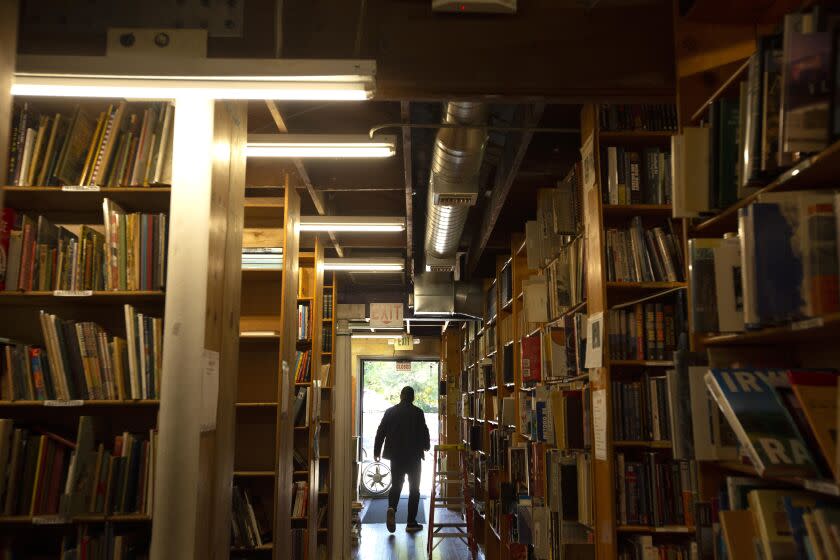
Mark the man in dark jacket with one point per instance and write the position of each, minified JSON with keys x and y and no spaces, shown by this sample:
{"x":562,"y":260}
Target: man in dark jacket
{"x":403,"y":428}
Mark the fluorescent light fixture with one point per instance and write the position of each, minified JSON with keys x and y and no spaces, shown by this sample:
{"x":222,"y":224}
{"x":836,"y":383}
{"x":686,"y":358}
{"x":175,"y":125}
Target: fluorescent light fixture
{"x":364,"y":224}
{"x":379,"y":336}
{"x":155,"y":77}
{"x":365,"y":265}
{"x":320,"y":146}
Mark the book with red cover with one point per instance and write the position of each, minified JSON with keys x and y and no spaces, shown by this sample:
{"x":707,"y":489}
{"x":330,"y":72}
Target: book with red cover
{"x":532,"y":359}
{"x":7,"y":222}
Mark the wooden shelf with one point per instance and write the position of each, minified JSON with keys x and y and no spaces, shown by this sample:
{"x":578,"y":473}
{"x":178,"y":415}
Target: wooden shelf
{"x":809,"y":330}
{"x":54,"y":199}
{"x":42,"y":520}
{"x":676,"y":529}
{"x":256,"y":405}
{"x":253,"y":474}
{"x":625,"y":135}
{"x":645,"y":286}
{"x":724,"y":87}
{"x":643,"y":363}
{"x":645,"y":444}
{"x":245,"y":550}
{"x":816,"y":172}
{"x":828,"y":487}
{"x":75,"y":405}
{"x":37,"y":298}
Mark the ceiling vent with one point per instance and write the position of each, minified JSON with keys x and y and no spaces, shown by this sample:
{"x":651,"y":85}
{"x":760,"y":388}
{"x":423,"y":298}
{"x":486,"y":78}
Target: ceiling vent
{"x":475,"y":6}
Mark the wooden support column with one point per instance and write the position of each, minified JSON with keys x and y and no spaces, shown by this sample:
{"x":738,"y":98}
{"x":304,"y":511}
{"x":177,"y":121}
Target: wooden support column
{"x":8,"y":50}
{"x":201,"y":333}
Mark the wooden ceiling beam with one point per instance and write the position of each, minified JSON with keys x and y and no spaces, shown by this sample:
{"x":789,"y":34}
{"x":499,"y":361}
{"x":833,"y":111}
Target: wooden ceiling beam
{"x":514,"y":153}
{"x":317,"y":199}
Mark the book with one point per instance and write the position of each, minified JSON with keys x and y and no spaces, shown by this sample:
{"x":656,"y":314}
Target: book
{"x":728,"y":284}
{"x":691,"y":172}
{"x":738,"y":533}
{"x":763,"y":425}
{"x":816,"y":392}
{"x":772,"y":526}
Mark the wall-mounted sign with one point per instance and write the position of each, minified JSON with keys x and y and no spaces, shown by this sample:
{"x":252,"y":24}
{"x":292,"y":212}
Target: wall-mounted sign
{"x":386,"y":315}
{"x":403,"y":365}
{"x":404,"y":343}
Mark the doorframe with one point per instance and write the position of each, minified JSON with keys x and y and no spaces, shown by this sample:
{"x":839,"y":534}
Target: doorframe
{"x":360,"y":385}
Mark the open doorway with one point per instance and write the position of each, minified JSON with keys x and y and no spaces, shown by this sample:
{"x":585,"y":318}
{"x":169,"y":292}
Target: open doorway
{"x":381,"y":382}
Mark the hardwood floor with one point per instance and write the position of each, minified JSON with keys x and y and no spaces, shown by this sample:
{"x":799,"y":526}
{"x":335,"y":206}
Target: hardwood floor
{"x":378,"y":544}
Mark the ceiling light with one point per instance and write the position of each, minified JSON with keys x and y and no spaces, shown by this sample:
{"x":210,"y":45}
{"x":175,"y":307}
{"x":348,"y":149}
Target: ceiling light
{"x":365,"y":265}
{"x":379,"y":336}
{"x":154,"y":77}
{"x":320,"y":146}
{"x":351,"y":223}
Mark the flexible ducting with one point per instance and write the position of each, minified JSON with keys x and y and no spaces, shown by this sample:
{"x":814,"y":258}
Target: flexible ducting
{"x":453,"y":181}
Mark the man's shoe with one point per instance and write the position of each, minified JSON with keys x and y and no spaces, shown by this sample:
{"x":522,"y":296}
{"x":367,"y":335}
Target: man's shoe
{"x":391,"y":522}
{"x":413,"y":527}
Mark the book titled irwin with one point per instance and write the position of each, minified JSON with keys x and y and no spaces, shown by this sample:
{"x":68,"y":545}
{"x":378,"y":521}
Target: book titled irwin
{"x":764,"y":426}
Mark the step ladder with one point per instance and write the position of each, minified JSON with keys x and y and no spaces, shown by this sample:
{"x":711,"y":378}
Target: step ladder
{"x":450,"y":491}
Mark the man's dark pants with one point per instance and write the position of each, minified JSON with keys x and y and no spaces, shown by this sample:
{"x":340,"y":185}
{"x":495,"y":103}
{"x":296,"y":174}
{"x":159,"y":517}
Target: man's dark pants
{"x":400,"y":468}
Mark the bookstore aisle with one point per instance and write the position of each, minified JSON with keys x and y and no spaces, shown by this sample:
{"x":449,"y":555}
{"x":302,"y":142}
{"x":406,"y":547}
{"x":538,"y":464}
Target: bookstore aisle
{"x":601,"y":243}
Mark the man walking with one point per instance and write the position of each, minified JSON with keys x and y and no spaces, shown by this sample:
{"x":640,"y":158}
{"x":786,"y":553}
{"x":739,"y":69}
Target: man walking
{"x":406,"y":436}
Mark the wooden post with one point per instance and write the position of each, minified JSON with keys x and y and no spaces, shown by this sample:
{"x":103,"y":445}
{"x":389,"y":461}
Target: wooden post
{"x":198,"y":388}
{"x":8,"y":51}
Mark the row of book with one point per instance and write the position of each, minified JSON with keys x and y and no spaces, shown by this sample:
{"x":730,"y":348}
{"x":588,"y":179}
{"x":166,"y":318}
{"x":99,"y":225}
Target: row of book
{"x":129,"y":253}
{"x":565,"y":278}
{"x":250,"y":526}
{"x":328,"y":303}
{"x":103,"y":542}
{"x":635,"y":176}
{"x":80,"y":362}
{"x":300,"y":501}
{"x":129,"y":144}
{"x":44,"y":474}
{"x":643,"y":547}
{"x":327,"y":338}
{"x":303,"y":366}
{"x":262,"y":258}
{"x":783,"y":111}
{"x":655,"y":491}
{"x":304,"y":331}
{"x":781,"y":267}
{"x":645,"y":331}
{"x":762,"y":519}
{"x":557,"y":221}
{"x":640,"y":409}
{"x":557,"y":415}
{"x":637,"y":254}
{"x":616,"y":117}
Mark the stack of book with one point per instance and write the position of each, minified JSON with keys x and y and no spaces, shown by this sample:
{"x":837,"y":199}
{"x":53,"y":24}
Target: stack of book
{"x":782,"y":111}
{"x":637,"y":117}
{"x":105,"y":541}
{"x":304,"y":324}
{"x":328,"y":304}
{"x":640,"y":409}
{"x":635,"y":176}
{"x":303,"y":367}
{"x":127,"y":145}
{"x":129,"y":253}
{"x":80,"y":362}
{"x":780,"y":267}
{"x":637,"y":254}
{"x":645,"y":331}
{"x":48,"y":475}
{"x":262,"y":258}
{"x":249,"y":524}
{"x":654,"y":490}
{"x":301,"y":499}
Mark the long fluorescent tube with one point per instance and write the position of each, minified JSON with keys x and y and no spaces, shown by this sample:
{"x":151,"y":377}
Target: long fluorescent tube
{"x":320,"y":146}
{"x":155,"y":77}
{"x":377,"y":335}
{"x":352,"y":223}
{"x":365,"y":265}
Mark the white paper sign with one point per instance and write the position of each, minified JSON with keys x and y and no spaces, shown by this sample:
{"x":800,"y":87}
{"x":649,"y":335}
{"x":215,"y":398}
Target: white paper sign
{"x":595,"y":340}
{"x":73,"y":293}
{"x":209,"y":389}
{"x":599,"y":420}
{"x":587,"y":157}
{"x":384,"y":315}
{"x":80,"y":188}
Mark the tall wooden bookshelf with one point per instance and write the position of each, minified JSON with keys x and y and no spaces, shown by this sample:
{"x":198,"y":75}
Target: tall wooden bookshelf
{"x":603,"y":295}
{"x":263,"y":424}
{"x":199,"y":309}
{"x":326,"y":440}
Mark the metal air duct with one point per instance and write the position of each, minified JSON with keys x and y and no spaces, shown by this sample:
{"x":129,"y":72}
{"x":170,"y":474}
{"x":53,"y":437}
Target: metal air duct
{"x":453,"y":181}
